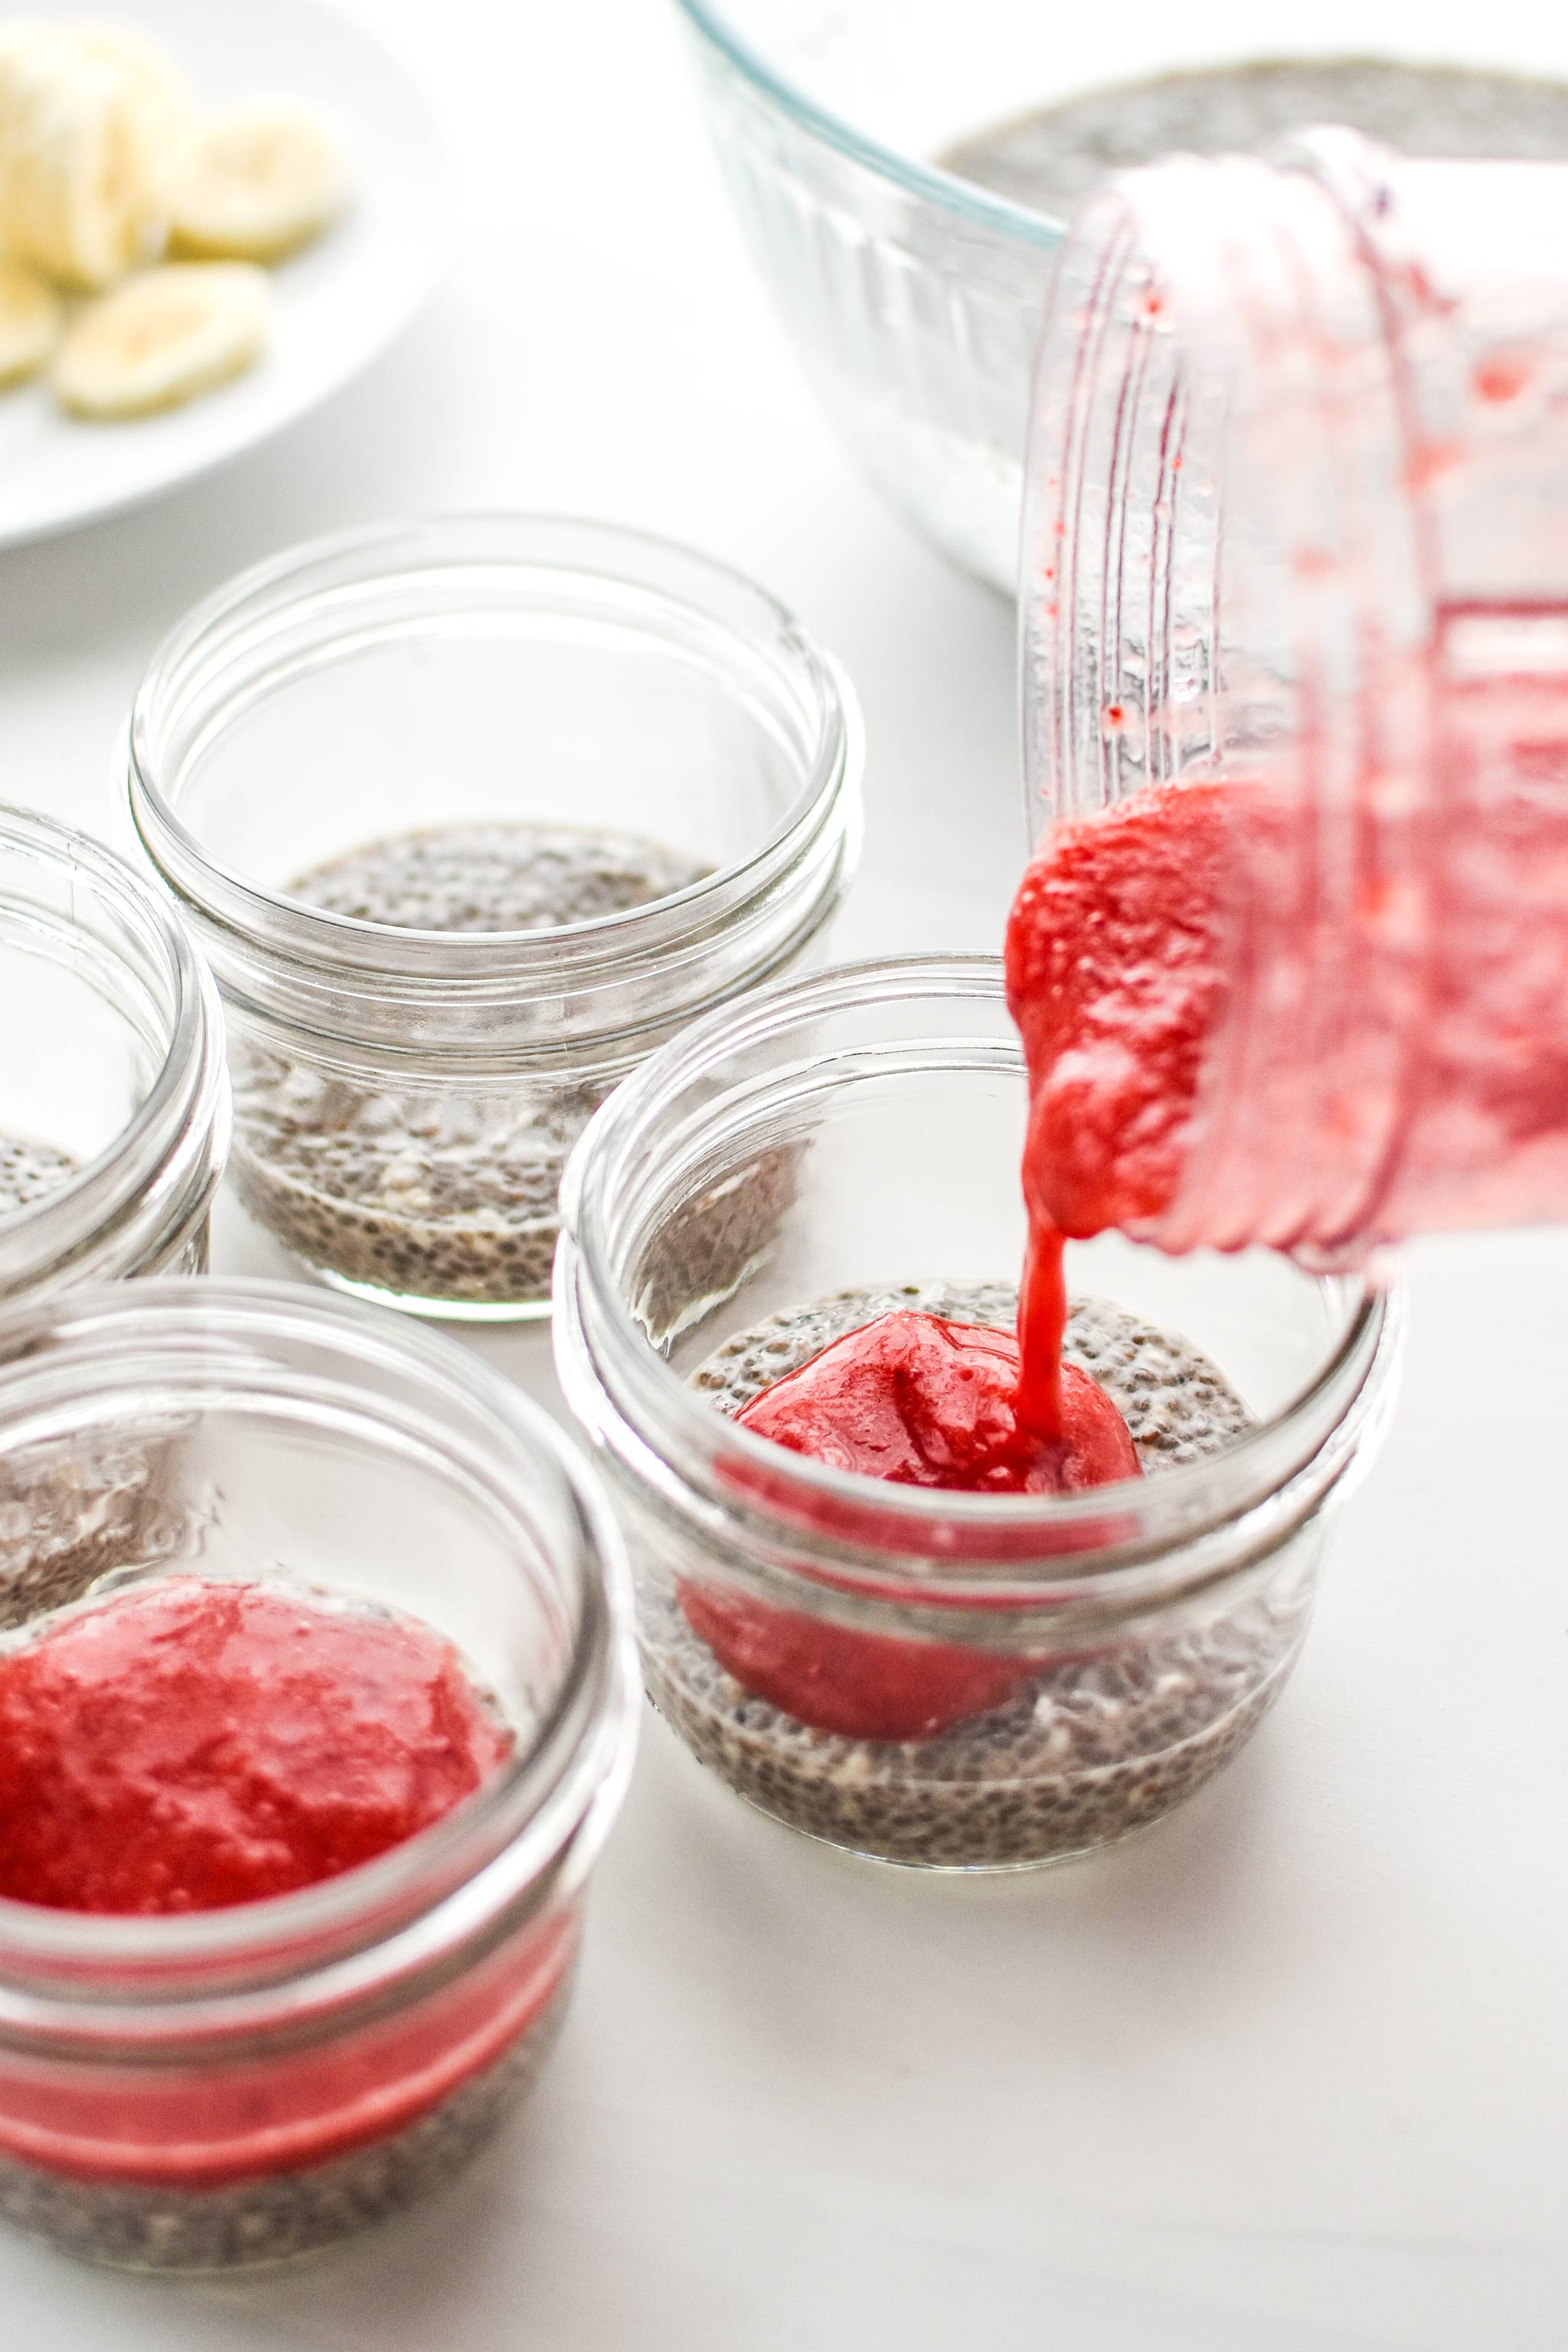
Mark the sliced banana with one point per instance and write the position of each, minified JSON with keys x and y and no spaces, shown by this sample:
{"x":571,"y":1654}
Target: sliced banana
{"x":257,"y":182}
{"x":156,"y":91}
{"x":164,"y":338}
{"x":30,"y":319}
{"x":88,"y":120}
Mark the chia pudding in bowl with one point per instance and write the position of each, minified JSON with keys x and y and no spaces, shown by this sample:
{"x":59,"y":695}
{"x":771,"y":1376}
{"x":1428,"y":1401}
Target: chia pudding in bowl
{"x":297,"y":1817}
{"x":1049,"y":159}
{"x":114,"y":1119}
{"x":957,"y":1680}
{"x":471,"y":817}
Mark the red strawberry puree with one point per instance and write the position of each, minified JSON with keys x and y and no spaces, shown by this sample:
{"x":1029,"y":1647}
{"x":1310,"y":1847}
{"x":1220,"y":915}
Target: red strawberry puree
{"x":193,"y":1743}
{"x":1114,"y":978}
{"x":918,"y":1402}
{"x":926,"y":1404}
{"x":1251,"y":1020}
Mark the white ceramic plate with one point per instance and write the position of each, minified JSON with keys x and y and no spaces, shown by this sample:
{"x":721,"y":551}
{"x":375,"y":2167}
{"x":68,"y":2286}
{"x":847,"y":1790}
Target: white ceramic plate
{"x":339,"y":302}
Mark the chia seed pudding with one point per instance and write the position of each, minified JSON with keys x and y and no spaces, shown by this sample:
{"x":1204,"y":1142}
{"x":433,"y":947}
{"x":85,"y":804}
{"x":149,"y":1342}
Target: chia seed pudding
{"x":69,"y":1514}
{"x":29,"y":1172}
{"x":446,"y":1194}
{"x":1094,"y":1747}
{"x":278,"y":2217}
{"x":75,"y":1509}
{"x":716,"y":1236}
{"x":34,"y":1172}
{"x":71,"y":1511}
{"x":1049,"y":159}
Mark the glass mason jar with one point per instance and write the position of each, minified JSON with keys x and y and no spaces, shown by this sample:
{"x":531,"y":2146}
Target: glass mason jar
{"x":958,"y":1681}
{"x":408,"y":1083}
{"x":240,"y":2085}
{"x":1296,"y":520}
{"x":115,"y":1106}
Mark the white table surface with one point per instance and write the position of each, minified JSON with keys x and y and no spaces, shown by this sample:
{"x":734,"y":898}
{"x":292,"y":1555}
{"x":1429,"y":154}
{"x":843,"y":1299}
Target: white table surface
{"x":1287,"y":2074}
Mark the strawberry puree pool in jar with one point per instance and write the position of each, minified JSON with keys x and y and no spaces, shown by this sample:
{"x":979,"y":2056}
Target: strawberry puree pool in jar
{"x":297,"y":1813}
{"x":814,"y":1196}
{"x":1293,"y":962}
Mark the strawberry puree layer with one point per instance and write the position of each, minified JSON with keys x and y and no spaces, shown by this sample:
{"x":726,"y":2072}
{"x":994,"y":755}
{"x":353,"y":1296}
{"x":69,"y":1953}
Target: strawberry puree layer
{"x":241,"y":2116}
{"x":192,"y":1745}
{"x":922,"y":1402}
{"x":915,"y":1402}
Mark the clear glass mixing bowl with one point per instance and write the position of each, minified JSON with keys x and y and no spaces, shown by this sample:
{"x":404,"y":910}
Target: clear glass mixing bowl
{"x":914,"y":296}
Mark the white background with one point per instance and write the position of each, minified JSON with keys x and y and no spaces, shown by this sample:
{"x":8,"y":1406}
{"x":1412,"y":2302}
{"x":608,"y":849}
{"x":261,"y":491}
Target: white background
{"x":1288,"y":2074}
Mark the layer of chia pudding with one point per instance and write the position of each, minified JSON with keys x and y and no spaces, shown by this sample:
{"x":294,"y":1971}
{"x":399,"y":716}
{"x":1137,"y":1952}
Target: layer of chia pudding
{"x":1049,"y":158}
{"x":278,"y":2217}
{"x":1094,"y":1746}
{"x":440,"y":1193}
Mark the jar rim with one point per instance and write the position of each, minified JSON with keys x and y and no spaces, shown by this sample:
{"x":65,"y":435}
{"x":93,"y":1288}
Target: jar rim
{"x":541,"y":959}
{"x":552,"y":1798}
{"x":171,"y":1151}
{"x":610,"y":1397}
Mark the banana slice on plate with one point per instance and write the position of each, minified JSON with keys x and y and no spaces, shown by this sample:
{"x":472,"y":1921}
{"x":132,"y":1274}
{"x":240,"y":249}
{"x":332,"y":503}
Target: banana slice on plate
{"x":88,"y":120}
{"x":257,"y":182}
{"x":162,"y":338}
{"x":30,"y":321}
{"x":156,"y":93}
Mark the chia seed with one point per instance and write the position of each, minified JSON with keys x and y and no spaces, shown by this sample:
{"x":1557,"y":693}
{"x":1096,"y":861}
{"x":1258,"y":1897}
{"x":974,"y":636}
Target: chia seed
{"x":1094,"y":1747}
{"x":78,"y":1509}
{"x":74,"y":1509}
{"x":278,"y":2217}
{"x":496,"y":878}
{"x":439,"y":1194}
{"x":1049,"y":159}
{"x":29,"y":1172}
{"x":717,"y":1236}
